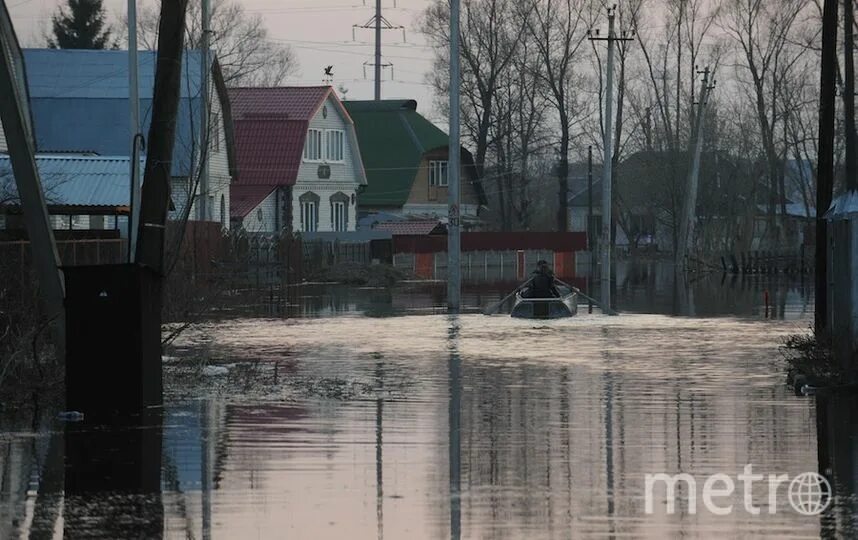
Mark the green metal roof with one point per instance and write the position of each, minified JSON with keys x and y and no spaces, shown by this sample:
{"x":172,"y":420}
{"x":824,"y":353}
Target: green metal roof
{"x":392,"y":138}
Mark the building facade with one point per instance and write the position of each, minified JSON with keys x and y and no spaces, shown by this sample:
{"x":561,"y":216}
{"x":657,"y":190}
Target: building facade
{"x":300,"y":167}
{"x":407,"y":163}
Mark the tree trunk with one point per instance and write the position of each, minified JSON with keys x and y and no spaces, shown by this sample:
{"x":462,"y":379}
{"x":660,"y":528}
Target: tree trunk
{"x":825,"y":159}
{"x":155,"y":201}
{"x":849,"y":95}
{"x":563,"y":174}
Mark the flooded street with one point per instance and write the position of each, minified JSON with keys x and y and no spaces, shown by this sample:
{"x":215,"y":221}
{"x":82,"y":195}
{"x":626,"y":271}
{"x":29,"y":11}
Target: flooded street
{"x":431,"y":426}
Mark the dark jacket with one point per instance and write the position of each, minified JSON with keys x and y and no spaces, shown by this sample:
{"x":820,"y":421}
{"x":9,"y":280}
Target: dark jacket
{"x":542,"y":284}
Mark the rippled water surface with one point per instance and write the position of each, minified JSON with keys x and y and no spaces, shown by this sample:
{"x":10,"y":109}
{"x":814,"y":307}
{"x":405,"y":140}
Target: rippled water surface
{"x":431,"y":426}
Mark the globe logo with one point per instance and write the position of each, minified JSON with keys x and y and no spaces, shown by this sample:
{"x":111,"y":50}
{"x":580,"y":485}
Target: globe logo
{"x":809,"y":493}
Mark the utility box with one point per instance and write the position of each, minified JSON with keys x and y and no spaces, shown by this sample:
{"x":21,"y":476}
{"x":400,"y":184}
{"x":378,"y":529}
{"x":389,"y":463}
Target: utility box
{"x":842,"y":220}
{"x":113,"y":339}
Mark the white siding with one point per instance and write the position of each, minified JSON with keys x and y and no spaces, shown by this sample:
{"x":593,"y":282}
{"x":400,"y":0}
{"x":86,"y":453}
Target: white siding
{"x":325,"y":191}
{"x":3,"y":147}
{"x":218,"y":164}
{"x":344,"y":175}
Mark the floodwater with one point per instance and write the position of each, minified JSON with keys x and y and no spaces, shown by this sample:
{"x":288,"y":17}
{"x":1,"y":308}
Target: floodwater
{"x":347,"y":424}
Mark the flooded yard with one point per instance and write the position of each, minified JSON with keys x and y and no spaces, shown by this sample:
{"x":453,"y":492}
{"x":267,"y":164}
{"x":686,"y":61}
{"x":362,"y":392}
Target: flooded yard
{"x":345,"y":424}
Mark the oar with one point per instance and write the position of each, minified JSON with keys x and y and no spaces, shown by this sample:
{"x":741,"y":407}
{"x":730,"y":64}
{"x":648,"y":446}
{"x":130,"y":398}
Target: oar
{"x":607,"y":311}
{"x":492,"y":309}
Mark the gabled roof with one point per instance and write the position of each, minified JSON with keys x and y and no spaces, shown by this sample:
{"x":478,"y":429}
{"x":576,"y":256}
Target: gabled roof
{"x":243,"y":199}
{"x":90,"y":181}
{"x":270,"y":129}
{"x":393,"y":138}
{"x":79,"y":101}
{"x":293,"y":102}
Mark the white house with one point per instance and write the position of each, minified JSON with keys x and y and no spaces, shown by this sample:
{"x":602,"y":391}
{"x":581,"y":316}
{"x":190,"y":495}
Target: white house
{"x":299,"y":166}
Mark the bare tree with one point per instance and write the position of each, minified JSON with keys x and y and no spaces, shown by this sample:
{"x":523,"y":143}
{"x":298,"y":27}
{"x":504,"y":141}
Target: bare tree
{"x":559,"y":29}
{"x":519,"y":138}
{"x":490,"y":35}
{"x":764,"y":32}
{"x":247,"y":56}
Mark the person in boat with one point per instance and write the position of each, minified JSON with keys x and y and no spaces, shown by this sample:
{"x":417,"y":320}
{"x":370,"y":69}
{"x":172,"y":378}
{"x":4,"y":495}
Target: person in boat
{"x":542,"y":282}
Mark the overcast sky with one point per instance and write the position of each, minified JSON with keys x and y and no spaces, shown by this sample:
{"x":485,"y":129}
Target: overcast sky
{"x":320,"y":32}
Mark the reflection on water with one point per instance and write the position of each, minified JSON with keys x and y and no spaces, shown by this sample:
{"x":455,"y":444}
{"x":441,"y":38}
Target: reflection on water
{"x":640,"y":287}
{"x":837,"y":428}
{"x":438,"y":427}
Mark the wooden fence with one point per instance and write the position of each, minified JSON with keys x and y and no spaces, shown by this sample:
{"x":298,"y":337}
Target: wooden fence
{"x":798,"y":261}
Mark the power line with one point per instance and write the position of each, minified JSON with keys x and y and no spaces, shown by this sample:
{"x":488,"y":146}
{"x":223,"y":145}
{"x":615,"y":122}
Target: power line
{"x":379,"y":23}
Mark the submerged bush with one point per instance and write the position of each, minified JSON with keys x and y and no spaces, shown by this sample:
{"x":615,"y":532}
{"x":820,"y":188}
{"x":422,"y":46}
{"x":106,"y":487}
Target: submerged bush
{"x":810,"y":358}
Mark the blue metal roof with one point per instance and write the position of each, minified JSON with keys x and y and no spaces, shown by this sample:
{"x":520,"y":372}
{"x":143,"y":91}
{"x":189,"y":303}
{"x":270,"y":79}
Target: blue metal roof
{"x":81,"y":180}
{"x":79,"y":101}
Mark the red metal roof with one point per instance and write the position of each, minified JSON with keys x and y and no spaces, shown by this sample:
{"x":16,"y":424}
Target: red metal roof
{"x":243,"y":199}
{"x":409,"y":228}
{"x":270,"y":129}
{"x":268,"y":150}
{"x":293,"y":102}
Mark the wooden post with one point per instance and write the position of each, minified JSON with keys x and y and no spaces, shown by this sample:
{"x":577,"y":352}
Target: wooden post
{"x":825,"y":158}
{"x":159,"y":156}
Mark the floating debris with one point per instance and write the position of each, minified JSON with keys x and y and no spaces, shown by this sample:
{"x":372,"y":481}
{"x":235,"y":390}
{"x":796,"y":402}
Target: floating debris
{"x":70,"y":416}
{"x":215,"y":371}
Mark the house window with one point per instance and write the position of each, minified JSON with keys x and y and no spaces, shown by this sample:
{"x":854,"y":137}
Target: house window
{"x":224,"y":219}
{"x":309,"y":212}
{"x":339,"y":212}
{"x":338,"y":215}
{"x":313,"y":146}
{"x":335,"y":144}
{"x":438,"y":173}
{"x":215,"y":129}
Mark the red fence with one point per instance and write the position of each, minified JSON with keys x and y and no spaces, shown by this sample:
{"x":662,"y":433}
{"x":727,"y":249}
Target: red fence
{"x":495,"y":241}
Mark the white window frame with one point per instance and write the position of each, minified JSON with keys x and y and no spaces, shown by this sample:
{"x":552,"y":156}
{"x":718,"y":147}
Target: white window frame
{"x":309,"y":216}
{"x":308,"y":155}
{"x":439,"y":173}
{"x":338,"y":215}
{"x":330,"y":136}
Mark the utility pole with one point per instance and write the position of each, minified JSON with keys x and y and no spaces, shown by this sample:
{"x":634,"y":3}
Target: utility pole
{"x":378,"y":50}
{"x":155,"y":199}
{"x":15,"y":121}
{"x":590,"y":243}
{"x":590,"y":198}
{"x":825,"y":159}
{"x":378,"y":23}
{"x":689,"y":211}
{"x":454,"y":278}
{"x":205,"y":46}
{"x":134,"y":106}
{"x":605,"y":242}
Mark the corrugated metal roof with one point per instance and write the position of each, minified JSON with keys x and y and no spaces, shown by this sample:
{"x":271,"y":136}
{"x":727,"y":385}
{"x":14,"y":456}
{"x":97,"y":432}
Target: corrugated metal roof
{"x":410,"y":228}
{"x":81,"y":180}
{"x":76,"y":73}
{"x":268,"y":150}
{"x":293,"y":102}
{"x":79,"y":102}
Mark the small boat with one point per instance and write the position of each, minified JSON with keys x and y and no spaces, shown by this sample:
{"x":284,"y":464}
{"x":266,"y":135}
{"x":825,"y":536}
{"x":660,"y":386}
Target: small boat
{"x":565,"y":305}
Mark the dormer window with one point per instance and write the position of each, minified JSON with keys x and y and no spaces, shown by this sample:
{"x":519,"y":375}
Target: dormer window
{"x":438,"y":173}
{"x":336,"y":143}
{"x":313,"y":146}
